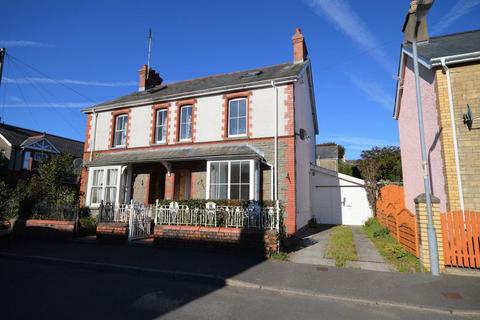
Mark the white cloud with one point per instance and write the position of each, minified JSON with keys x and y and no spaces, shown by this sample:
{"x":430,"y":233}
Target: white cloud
{"x":33,"y":80}
{"x":62,"y":105}
{"x":349,"y":22}
{"x":461,"y":8}
{"x":373,"y":91}
{"x":22,"y":43}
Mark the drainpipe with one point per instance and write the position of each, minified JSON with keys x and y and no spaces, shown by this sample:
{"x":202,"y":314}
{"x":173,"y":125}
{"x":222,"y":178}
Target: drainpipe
{"x":454,"y":134}
{"x":94,"y":119}
{"x":275,"y":184}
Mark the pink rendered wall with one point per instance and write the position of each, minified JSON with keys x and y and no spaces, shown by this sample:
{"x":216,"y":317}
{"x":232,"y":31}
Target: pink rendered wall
{"x":409,"y":137}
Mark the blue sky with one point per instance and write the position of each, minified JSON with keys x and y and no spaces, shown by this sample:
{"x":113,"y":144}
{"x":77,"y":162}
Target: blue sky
{"x":93,"y":49}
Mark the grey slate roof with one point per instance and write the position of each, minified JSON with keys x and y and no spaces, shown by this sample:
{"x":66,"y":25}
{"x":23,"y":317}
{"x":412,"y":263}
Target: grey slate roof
{"x":209,"y":83}
{"x":175,"y":154}
{"x":16,"y":136}
{"x":449,"y":45}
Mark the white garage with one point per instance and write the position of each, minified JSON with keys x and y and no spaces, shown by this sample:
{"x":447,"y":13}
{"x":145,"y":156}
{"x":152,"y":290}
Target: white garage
{"x":338,"y":198}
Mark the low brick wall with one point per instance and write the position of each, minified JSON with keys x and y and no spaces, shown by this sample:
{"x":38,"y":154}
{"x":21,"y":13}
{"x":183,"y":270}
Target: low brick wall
{"x":44,"y":229}
{"x":112,"y":232}
{"x":260,"y":242}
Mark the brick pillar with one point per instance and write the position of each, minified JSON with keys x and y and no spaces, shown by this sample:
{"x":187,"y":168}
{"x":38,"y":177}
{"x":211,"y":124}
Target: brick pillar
{"x":169,"y":186}
{"x":422,"y":221}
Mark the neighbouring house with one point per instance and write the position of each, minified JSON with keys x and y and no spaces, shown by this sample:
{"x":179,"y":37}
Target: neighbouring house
{"x":247,"y":135}
{"x":23,"y":148}
{"x":449,"y":68}
{"x":327,"y":156}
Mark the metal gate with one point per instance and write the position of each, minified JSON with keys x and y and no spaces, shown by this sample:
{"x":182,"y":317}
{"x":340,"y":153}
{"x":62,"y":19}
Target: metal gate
{"x":139,"y":222}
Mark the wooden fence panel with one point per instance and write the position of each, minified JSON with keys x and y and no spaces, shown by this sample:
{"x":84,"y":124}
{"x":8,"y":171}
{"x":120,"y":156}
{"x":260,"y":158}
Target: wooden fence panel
{"x":461,"y":238}
{"x":392,"y":214}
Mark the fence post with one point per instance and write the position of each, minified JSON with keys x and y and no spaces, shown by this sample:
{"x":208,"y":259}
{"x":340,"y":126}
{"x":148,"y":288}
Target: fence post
{"x":422,"y":221}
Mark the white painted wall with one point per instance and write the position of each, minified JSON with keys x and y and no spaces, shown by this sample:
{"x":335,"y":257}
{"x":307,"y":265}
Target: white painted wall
{"x":338,"y":198}
{"x":102,"y":131}
{"x":209,"y":119}
{"x":140,"y":118}
{"x":304,"y":149}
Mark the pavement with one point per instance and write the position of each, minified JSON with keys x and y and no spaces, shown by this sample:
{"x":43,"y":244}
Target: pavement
{"x":444,"y":295}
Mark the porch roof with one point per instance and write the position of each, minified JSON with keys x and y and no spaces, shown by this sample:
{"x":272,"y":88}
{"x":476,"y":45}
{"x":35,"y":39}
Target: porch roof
{"x":176,"y":154}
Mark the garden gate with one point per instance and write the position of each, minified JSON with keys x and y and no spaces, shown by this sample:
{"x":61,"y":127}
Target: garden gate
{"x":139,"y":222}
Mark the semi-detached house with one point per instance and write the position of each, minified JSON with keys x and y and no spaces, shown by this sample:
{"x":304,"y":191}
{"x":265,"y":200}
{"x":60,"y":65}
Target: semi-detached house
{"x":246,"y":135}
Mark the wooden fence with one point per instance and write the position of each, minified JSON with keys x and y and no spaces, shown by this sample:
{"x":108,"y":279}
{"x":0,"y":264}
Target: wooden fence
{"x":401,"y":223}
{"x":461,"y":238}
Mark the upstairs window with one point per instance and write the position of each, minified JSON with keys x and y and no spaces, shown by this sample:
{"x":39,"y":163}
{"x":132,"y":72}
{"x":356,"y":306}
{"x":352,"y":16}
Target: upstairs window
{"x":161,"y":126}
{"x":237,"y":117}
{"x":120,"y":134}
{"x":186,"y":123}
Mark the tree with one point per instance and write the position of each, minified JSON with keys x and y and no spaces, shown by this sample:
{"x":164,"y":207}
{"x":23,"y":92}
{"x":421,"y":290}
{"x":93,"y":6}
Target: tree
{"x":389,"y":162}
{"x":369,"y":169}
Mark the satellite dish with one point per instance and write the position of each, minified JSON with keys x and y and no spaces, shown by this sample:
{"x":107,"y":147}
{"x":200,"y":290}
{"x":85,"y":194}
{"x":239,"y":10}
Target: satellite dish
{"x":77,"y":165}
{"x":303,"y":134}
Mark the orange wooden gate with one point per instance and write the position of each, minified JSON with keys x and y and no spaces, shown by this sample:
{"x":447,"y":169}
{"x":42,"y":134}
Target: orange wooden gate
{"x":461,"y":238}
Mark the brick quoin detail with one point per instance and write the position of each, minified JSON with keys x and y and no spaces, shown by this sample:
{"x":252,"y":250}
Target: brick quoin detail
{"x":227,"y":97}
{"x":113,"y":116}
{"x":153,"y":122}
{"x":290,"y":180}
{"x":180,"y":104}
{"x":289,"y":113}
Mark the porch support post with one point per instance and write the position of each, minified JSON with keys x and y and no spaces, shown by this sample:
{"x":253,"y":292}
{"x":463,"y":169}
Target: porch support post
{"x":167,"y":166}
{"x":169,"y":186}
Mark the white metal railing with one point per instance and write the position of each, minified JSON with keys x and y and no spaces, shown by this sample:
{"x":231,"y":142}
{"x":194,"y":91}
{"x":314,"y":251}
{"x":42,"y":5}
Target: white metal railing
{"x":254,"y":216}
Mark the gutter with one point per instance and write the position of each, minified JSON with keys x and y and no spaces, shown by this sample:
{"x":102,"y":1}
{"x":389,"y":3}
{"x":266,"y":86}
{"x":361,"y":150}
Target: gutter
{"x":454,"y":133}
{"x":198,"y":93}
{"x":455,"y":59}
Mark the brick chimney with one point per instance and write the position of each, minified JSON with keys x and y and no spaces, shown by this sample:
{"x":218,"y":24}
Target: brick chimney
{"x":300,"y":52}
{"x":153,"y":80}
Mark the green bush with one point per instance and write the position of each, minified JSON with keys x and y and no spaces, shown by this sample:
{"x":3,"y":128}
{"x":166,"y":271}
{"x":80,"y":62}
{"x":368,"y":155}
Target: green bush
{"x":88,"y":225}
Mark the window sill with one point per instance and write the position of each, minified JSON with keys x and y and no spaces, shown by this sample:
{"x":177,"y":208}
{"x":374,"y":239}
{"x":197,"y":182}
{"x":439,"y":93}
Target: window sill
{"x":160,"y":143}
{"x":118,"y":147}
{"x":240,"y":136}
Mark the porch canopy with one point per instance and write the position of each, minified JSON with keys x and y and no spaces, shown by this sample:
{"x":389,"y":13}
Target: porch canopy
{"x":217,"y":151}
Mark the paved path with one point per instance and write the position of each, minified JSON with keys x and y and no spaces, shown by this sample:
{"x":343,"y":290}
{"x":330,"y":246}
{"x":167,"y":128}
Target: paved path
{"x":314,"y":254}
{"x":375,"y":289}
{"x":368,"y":256}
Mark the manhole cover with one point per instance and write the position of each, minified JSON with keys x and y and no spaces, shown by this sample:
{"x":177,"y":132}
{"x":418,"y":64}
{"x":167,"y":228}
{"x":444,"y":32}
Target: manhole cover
{"x":452,"y":295}
{"x":322,"y":268}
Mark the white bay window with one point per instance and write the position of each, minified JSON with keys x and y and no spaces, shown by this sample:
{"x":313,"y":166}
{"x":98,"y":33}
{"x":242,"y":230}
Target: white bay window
{"x":232,"y":179}
{"x":103,"y":184}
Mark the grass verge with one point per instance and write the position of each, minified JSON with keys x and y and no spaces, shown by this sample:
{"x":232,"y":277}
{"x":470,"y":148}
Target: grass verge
{"x":390,"y":249}
{"x":341,"y":246}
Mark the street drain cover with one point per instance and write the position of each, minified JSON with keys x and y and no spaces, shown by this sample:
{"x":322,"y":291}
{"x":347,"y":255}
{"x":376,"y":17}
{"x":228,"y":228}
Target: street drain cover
{"x":452,"y":295}
{"x":322,"y":269}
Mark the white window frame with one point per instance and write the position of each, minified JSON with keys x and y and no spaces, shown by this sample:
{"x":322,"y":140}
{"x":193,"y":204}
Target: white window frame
{"x":182,"y":122}
{"x":254,"y":190}
{"x":237,"y":118}
{"x":116,"y":130}
{"x":104,"y":184}
{"x":164,"y":126}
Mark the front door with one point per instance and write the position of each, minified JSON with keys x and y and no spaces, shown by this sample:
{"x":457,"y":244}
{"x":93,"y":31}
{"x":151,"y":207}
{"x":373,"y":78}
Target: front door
{"x":182,"y":184}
